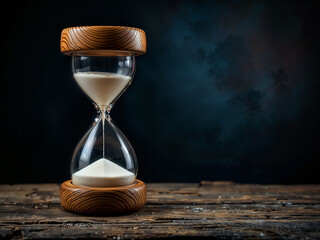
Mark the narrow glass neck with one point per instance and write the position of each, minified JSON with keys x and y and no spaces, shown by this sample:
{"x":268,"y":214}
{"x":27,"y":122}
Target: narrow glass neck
{"x":103,"y":111}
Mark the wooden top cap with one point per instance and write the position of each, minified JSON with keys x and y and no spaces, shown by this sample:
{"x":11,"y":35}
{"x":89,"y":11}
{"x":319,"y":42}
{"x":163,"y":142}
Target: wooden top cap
{"x":103,"y":40}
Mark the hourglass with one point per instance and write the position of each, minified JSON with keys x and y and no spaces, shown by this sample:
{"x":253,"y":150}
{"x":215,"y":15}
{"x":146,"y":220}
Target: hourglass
{"x":104,"y":164}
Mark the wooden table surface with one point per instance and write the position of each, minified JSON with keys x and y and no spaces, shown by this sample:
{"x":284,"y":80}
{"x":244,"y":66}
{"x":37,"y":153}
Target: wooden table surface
{"x":222,"y":210}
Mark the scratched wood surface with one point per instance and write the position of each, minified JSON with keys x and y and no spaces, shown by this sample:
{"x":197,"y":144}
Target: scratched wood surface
{"x":221,"y":210}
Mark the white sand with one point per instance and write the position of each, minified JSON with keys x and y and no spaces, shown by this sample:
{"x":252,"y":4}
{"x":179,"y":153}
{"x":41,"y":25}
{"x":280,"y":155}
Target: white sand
{"x":103,"y":173}
{"x":101,"y":87}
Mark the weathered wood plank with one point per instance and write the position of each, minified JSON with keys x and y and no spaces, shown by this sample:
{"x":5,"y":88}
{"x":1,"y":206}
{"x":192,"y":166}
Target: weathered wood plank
{"x":222,"y":210}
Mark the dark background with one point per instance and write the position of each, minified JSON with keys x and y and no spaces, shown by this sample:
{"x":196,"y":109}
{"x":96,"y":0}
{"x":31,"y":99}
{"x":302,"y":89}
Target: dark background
{"x":228,"y":90}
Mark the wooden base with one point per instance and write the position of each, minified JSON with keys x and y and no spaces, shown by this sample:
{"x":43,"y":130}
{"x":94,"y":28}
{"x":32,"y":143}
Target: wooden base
{"x":103,"y":201}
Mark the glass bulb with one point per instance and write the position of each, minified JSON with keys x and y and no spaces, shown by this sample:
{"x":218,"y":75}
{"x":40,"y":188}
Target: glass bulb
{"x":104,"y":157}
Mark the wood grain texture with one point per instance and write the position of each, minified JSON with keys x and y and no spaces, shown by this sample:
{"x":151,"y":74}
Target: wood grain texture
{"x":103,"y":201}
{"x":212,"y":210}
{"x":103,"y":40}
